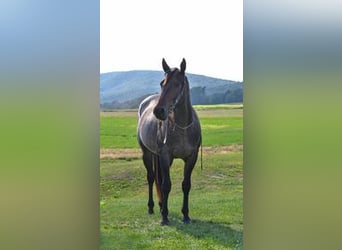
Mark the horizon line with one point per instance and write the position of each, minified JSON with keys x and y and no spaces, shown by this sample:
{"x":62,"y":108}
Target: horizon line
{"x":162,"y":71}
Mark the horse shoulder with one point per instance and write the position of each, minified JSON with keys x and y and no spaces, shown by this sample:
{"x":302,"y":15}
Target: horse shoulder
{"x":146,"y":103}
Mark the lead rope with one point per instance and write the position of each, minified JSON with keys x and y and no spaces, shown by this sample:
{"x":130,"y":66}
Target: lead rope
{"x":164,"y":141}
{"x":201,"y":156}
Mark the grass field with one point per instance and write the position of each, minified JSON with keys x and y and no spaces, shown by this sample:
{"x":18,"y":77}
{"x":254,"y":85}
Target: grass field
{"x":222,"y":126}
{"x":215,"y":198}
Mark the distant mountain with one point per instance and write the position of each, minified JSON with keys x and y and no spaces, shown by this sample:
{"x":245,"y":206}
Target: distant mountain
{"x":127,"y":89}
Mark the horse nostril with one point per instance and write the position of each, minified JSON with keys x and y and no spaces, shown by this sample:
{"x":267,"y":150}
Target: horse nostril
{"x":160,"y":113}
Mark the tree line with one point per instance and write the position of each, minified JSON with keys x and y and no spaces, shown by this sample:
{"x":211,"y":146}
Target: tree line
{"x":199,"y":95}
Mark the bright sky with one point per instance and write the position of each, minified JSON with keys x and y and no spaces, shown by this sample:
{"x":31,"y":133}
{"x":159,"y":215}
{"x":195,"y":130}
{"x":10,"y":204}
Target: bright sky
{"x":137,"y":34}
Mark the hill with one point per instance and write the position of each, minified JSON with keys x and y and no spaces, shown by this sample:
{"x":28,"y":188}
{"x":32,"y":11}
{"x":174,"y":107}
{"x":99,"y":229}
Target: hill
{"x":126,"y":89}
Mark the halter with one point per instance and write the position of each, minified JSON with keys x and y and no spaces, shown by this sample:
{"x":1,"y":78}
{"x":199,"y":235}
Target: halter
{"x":173,"y":105}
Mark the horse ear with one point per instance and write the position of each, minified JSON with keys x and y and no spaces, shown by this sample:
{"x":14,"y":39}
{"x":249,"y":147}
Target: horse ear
{"x":183,"y":66}
{"x":166,"y":67}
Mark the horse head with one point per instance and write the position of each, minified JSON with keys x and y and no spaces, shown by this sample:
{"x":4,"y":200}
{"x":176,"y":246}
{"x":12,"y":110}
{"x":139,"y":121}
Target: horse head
{"x":172,"y":90}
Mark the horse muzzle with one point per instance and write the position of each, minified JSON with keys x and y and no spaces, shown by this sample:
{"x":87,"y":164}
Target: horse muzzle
{"x":161,"y":113}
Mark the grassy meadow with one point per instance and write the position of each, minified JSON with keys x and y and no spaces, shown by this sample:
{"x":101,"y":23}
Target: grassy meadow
{"x":215,"y":202}
{"x":219,"y":127}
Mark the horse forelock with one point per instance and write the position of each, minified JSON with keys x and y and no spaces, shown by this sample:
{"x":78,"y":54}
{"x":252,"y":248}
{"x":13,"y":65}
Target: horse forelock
{"x":165,"y":80}
{"x":168,"y":75}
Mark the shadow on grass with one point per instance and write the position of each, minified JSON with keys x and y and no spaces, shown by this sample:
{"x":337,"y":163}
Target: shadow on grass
{"x":219,"y":233}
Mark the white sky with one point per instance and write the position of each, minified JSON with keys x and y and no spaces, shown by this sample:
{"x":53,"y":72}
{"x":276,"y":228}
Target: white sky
{"x":137,"y":34}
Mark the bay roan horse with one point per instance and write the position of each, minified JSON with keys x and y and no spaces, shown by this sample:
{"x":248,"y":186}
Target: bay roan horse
{"x":169,"y":128}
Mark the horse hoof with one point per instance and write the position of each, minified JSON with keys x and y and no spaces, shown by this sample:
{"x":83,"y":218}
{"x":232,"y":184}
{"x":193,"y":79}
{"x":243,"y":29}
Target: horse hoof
{"x":150,"y":211}
{"x":186,"y":220}
{"x":165,"y":223}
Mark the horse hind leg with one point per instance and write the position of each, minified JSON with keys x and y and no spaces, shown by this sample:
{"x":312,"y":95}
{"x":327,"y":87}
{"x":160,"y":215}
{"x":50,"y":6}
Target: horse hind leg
{"x":147,"y":158}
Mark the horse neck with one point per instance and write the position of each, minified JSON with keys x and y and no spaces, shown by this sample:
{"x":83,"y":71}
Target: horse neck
{"x":183,"y":111}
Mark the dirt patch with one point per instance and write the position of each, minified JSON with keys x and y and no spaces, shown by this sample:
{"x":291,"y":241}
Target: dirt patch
{"x":124,"y":153}
{"x":222,"y":149}
{"x":117,"y":153}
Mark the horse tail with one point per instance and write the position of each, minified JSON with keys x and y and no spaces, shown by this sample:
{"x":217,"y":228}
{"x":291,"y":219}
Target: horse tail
{"x":157,"y":175}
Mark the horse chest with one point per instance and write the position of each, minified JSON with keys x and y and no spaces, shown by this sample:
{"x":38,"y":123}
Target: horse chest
{"x":181,"y":147}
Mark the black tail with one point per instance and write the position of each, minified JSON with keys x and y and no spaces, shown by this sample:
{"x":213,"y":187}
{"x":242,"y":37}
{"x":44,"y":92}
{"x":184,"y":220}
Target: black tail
{"x":156,"y":168}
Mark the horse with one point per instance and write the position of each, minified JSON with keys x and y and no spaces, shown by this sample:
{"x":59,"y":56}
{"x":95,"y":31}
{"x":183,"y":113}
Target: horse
{"x":169,"y":128}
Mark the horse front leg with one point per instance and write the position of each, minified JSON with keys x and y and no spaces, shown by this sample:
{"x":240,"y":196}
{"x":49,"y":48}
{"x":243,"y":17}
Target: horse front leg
{"x":186,"y":185}
{"x":165,"y":187}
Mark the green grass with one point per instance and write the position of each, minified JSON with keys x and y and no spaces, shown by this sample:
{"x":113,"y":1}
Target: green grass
{"x":215,"y":206}
{"x":221,"y":130}
{"x":215,"y":202}
{"x":219,"y":127}
{"x":118,"y":132}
